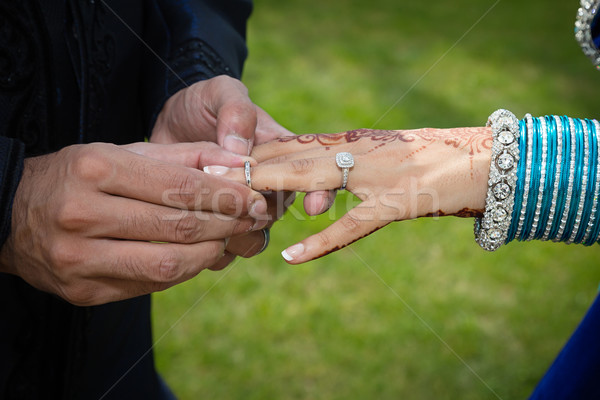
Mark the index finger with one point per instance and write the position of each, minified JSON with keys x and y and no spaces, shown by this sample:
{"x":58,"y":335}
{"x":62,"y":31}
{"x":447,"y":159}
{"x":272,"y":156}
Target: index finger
{"x":122,"y":173}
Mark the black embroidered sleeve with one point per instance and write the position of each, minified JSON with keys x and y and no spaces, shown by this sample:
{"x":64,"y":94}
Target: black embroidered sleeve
{"x":11,"y":168}
{"x":202,"y":39}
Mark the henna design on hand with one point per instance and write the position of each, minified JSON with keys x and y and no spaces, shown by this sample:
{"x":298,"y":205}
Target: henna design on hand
{"x":464,"y":213}
{"x":475,"y":139}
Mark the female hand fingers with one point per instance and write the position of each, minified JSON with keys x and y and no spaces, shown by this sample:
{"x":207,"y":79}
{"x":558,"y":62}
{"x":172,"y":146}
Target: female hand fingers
{"x":357,"y":223}
{"x":316,"y":203}
{"x":301,"y":175}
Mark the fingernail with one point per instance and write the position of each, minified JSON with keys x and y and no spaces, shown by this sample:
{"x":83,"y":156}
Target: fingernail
{"x":258,"y":209}
{"x":216,"y":170}
{"x":237,"y":145}
{"x":293,"y":252}
{"x":259,"y":224}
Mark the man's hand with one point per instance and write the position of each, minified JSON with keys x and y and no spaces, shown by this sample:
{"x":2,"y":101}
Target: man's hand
{"x":98,"y":223}
{"x":216,"y":110}
{"x":219,"y":110}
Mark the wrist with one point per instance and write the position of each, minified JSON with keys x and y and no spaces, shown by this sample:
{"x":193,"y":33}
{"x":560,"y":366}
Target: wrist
{"x":460,"y":174}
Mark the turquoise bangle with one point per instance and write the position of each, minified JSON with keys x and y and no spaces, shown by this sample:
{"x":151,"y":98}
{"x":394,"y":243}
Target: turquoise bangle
{"x":564,"y":177}
{"x":535,"y":181}
{"x":596,"y":227}
{"x":520,"y":181}
{"x":591,"y":184}
{"x":550,"y":177}
{"x":576,"y":181}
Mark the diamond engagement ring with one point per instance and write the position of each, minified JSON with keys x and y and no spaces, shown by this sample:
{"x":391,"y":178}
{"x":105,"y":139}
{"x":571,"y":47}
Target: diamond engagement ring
{"x":345,"y":161}
{"x":247,"y":173}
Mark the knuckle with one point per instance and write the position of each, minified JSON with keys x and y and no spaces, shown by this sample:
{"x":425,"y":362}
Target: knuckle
{"x":350,"y":223}
{"x":169,"y":268}
{"x":302,"y":166}
{"x":228,"y":80}
{"x":80,"y":294}
{"x":229,"y":202}
{"x":188,"y":229}
{"x":216,"y":250}
{"x":185,"y":187}
{"x":324,"y":240}
{"x":63,"y":256}
{"x":92,"y":164}
{"x":232,"y":205}
{"x":72,"y":215}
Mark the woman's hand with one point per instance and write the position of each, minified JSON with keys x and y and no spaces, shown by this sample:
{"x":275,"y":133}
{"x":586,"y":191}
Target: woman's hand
{"x":398,"y":175}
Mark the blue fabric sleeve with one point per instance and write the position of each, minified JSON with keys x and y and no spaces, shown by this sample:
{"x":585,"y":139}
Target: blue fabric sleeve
{"x":576,"y":371}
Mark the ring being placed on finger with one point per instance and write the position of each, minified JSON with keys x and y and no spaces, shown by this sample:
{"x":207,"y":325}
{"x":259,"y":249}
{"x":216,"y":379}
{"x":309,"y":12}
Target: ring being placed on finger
{"x":345,"y":161}
{"x":267,"y":234}
{"x":247,"y":174}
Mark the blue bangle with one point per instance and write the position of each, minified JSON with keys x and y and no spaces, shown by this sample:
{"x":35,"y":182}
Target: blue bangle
{"x":564,"y":177}
{"x":594,"y":228}
{"x":550,"y":177}
{"x":595,"y":231}
{"x":576,"y":185}
{"x":591,"y":183}
{"x":520,"y":181}
{"x":535,"y":181}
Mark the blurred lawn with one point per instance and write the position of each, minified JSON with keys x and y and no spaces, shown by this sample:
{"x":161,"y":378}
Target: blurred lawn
{"x":416,"y":310}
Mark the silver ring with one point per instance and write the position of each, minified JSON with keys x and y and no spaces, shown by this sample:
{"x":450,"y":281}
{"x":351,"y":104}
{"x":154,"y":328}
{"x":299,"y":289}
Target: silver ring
{"x":247,"y":173}
{"x":345,"y":161}
{"x":267,"y":233}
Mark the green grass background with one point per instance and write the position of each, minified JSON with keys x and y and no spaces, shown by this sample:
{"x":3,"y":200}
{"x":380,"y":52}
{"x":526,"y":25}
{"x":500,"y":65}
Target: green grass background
{"x":416,"y":310}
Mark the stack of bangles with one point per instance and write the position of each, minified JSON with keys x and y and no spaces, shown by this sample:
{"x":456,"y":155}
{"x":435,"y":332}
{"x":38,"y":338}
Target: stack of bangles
{"x":544,"y":181}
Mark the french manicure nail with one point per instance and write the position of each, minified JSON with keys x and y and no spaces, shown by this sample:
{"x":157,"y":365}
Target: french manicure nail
{"x":293,"y":252}
{"x":237,"y":145}
{"x":216,"y":170}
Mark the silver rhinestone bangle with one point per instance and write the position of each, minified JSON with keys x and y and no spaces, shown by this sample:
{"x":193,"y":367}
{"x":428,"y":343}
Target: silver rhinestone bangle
{"x":491,"y":230}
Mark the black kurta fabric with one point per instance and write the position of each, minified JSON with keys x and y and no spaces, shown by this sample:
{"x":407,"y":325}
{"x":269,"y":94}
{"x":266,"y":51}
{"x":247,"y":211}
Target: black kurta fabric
{"x":77,"y":72}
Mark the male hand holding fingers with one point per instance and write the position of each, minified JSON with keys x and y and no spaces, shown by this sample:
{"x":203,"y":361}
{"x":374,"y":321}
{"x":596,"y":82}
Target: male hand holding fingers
{"x":98,"y":223}
{"x":219,"y":110}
